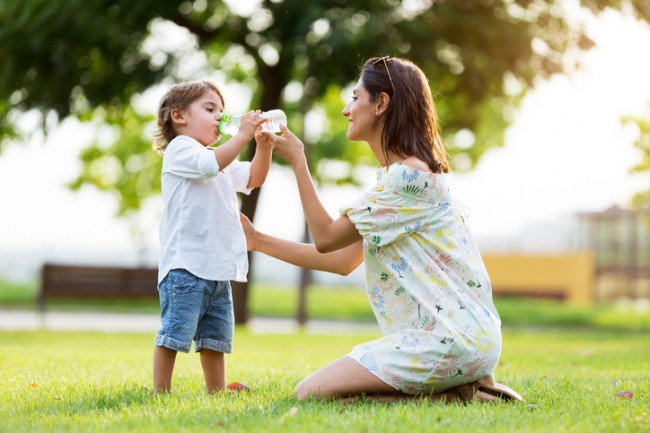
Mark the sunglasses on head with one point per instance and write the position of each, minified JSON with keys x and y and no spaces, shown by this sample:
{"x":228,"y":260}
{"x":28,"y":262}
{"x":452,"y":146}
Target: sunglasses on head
{"x":384,"y":59}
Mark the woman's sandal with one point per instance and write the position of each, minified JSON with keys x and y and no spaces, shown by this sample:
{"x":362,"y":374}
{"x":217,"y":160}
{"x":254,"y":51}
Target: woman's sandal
{"x":484,"y":389}
{"x":489,"y":390}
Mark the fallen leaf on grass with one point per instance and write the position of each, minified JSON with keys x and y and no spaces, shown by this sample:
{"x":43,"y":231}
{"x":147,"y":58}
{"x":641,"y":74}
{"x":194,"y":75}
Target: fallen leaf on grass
{"x":289,"y":414}
{"x":624,"y":395}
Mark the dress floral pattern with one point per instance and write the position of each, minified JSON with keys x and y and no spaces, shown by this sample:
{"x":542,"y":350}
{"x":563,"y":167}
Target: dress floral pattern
{"x":426,"y":284}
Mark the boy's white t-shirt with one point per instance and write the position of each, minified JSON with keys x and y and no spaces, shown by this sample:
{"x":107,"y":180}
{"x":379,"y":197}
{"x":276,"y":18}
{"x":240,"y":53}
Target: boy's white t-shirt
{"x":199,"y":227}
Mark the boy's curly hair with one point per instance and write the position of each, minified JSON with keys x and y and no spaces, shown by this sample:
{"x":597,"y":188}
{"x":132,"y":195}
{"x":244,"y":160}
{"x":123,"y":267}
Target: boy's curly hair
{"x":179,"y":96}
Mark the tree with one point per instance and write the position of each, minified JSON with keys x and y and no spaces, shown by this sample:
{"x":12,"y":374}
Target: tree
{"x":92,"y":59}
{"x":641,"y":199}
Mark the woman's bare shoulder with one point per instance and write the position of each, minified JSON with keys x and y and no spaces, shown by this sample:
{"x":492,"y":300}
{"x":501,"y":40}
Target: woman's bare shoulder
{"x":416,"y":163}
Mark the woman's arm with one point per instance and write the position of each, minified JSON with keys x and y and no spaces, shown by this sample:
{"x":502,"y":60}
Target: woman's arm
{"x":328,"y":234}
{"x":342,"y":261}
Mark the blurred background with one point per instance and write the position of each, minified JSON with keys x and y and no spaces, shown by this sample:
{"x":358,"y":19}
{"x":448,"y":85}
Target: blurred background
{"x":544,"y":105}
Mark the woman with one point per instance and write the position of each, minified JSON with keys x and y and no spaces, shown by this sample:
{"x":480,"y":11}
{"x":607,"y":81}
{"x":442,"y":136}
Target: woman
{"x":425,"y":280}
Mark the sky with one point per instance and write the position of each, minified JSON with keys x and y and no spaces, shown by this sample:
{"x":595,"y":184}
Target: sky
{"x":566,"y":152}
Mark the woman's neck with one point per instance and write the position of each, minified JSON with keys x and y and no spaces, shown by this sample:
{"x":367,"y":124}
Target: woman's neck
{"x":385,"y":158}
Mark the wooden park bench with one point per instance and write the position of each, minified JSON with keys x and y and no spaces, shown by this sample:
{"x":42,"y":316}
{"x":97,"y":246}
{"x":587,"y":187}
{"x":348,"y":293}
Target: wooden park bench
{"x":95,"y":282}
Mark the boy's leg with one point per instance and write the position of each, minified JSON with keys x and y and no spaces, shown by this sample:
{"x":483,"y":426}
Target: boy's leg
{"x":163,"y":367}
{"x":214,"y":370}
{"x":214,"y":336}
{"x":181,"y":297}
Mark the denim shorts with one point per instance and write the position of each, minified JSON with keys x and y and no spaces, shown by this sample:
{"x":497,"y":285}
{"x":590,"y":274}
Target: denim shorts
{"x":195,"y":309}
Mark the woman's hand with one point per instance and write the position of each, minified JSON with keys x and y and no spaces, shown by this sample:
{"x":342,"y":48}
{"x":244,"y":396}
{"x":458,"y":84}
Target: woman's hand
{"x":289,"y":147}
{"x":249,"y":231}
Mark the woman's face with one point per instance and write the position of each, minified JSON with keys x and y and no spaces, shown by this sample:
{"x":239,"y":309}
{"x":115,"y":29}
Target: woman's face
{"x":361,"y":114}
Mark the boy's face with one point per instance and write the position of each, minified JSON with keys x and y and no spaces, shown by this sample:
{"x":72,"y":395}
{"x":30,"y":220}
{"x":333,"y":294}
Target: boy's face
{"x":201,"y":119}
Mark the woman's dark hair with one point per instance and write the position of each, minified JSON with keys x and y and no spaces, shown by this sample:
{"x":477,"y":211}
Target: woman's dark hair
{"x":411,"y":123}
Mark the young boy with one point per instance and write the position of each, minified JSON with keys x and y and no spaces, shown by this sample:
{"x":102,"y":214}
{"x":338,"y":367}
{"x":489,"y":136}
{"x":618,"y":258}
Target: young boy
{"x":202,"y":245}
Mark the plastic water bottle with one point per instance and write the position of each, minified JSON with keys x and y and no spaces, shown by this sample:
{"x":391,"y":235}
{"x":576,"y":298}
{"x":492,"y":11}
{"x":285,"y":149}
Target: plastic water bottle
{"x":229,"y":125}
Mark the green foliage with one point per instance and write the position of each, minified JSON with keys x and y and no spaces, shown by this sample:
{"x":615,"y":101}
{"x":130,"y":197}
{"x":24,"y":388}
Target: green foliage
{"x":78,"y":381}
{"x":56,"y":50}
{"x":127,"y":167}
{"x":69,"y":58}
{"x":641,"y":199}
{"x":333,"y":147}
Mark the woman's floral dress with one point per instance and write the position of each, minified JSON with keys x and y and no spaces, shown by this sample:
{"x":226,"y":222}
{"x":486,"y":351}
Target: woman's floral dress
{"x":426,"y":283}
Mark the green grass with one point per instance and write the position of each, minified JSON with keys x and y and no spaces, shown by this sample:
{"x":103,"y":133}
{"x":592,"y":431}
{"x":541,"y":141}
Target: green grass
{"x":94,"y":382}
{"x":350,"y":303}
{"x":17,"y":294}
{"x":323,"y":302}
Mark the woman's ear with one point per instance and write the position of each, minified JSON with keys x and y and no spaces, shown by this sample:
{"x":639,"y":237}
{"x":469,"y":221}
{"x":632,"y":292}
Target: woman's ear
{"x":177,"y":116}
{"x":382,"y":103}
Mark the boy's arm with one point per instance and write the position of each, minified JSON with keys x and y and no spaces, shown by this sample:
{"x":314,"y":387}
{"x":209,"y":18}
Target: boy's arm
{"x":228,"y":151}
{"x":262,"y":160}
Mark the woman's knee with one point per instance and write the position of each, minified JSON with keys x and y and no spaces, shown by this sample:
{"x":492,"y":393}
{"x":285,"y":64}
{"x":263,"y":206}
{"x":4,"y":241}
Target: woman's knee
{"x":299,"y":392}
{"x":303,"y":391}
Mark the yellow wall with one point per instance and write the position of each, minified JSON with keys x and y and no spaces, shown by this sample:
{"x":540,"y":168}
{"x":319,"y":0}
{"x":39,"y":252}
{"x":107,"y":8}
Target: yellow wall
{"x":570,"y":276}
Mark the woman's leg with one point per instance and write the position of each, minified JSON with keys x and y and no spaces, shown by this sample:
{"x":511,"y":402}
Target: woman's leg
{"x":346,"y":380}
{"x":343,"y":378}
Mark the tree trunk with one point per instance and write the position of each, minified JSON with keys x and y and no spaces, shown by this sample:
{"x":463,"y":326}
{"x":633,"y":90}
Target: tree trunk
{"x":240,"y":290}
{"x":305,"y":281}
{"x":305,"y":274}
{"x":273,"y":79}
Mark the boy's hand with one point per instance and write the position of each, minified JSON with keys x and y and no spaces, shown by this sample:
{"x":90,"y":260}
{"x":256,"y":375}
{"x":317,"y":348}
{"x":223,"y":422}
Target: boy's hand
{"x":249,"y":124}
{"x":264,"y":139}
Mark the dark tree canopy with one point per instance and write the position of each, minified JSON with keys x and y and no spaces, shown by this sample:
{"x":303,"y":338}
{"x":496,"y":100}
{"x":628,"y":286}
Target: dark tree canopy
{"x":89,"y":59}
{"x":70,"y":57}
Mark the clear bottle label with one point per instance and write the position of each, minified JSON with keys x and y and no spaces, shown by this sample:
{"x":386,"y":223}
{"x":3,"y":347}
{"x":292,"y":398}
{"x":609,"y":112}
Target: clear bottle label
{"x":229,"y":125}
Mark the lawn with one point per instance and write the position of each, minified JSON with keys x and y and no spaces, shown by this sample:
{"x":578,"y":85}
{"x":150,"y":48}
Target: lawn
{"x":351,"y":303}
{"x":96,"y":382}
